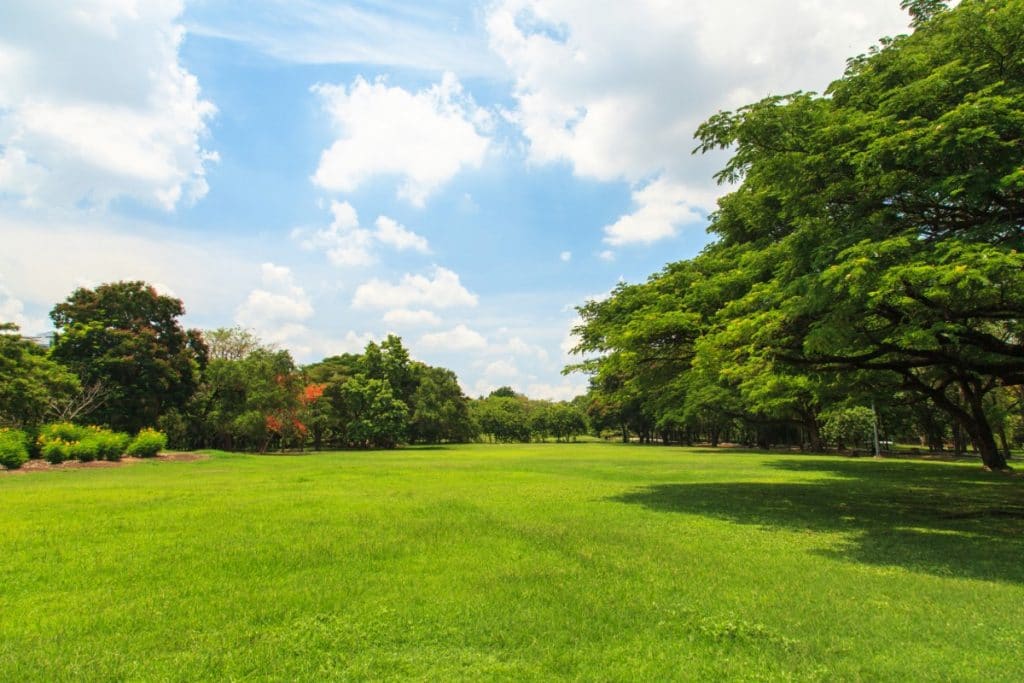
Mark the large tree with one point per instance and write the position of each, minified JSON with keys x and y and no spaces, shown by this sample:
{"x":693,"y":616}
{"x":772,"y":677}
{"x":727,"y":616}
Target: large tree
{"x":871,"y":245}
{"x":127,"y":337}
{"x":893,"y":212}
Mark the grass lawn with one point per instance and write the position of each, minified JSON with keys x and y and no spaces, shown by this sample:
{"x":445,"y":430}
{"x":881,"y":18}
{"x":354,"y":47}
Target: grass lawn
{"x":586,"y":561}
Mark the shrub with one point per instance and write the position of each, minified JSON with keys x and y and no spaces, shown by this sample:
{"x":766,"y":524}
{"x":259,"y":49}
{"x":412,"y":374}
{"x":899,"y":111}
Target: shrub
{"x":13,"y":448}
{"x":65,"y":431}
{"x":85,"y":450}
{"x":147,"y":443}
{"x":111,"y":445}
{"x":55,"y":451}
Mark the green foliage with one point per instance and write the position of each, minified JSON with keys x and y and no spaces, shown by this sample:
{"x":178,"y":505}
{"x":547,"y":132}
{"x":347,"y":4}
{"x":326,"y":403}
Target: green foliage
{"x":29,"y":381}
{"x":85,"y":450}
{"x":13,"y":448}
{"x":126,"y":337}
{"x":147,"y":444}
{"x":110,"y":445}
{"x":852,"y":427}
{"x":62,"y":441}
{"x":63,"y":431}
{"x":55,"y":451}
{"x":870,"y":248}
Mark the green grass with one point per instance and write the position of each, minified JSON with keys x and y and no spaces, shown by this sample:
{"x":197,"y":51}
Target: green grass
{"x":580,"y":561}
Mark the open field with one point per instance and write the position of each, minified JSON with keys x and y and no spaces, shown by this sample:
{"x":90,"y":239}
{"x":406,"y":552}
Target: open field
{"x":590,"y":561}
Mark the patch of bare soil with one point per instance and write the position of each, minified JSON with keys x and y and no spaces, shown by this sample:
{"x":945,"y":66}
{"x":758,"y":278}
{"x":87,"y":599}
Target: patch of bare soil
{"x":43,"y":466}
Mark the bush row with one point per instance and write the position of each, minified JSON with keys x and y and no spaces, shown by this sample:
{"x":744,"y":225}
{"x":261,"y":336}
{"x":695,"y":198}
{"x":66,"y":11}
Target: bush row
{"x":66,"y":441}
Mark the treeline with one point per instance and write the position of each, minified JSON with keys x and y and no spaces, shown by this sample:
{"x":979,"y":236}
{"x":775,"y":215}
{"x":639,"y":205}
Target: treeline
{"x":871,"y":253}
{"x":120,"y":359}
{"x":505,"y":416}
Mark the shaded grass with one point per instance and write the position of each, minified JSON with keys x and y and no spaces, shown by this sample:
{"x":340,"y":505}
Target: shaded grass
{"x":583,"y":561}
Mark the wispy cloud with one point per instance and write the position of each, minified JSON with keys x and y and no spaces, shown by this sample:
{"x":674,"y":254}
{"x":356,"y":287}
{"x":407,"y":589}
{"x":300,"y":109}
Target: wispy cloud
{"x":436,"y":36}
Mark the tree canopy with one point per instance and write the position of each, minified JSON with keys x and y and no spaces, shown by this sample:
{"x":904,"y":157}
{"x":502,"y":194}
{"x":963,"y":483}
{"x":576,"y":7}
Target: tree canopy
{"x":127,"y":338}
{"x":871,"y":246}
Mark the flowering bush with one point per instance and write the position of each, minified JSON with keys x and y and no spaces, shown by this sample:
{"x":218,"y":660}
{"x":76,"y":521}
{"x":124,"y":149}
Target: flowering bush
{"x":147,"y":444}
{"x":65,"y":431}
{"x":55,"y":451}
{"x":65,"y":441}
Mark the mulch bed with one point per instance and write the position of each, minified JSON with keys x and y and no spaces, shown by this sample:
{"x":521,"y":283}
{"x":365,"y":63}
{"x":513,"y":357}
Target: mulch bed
{"x":43,"y":466}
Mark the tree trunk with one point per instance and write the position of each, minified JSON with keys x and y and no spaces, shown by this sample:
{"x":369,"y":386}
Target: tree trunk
{"x":981,"y":433}
{"x":814,"y":442}
{"x":958,"y":440}
{"x":1004,"y":441}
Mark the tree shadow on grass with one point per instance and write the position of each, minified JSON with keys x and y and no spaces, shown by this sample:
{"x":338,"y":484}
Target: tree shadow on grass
{"x":940,"y":519}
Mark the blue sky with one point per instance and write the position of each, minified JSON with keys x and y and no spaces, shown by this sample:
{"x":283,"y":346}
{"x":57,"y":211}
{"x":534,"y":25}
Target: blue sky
{"x":459,"y":173}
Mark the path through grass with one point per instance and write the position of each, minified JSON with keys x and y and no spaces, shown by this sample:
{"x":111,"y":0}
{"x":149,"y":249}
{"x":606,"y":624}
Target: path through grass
{"x":589,"y":561}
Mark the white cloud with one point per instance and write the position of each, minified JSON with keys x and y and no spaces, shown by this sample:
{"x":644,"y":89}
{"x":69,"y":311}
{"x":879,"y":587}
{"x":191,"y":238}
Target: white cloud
{"x":12,"y":310}
{"x":407,"y":318}
{"x":459,"y":338}
{"x":607,"y":255}
{"x":500,"y":369}
{"x":566,"y":256}
{"x":344,"y":242}
{"x":662,"y":207}
{"x":423,"y":138}
{"x":432,"y":37}
{"x":517,"y":346}
{"x":440,"y":290}
{"x":43,"y":259}
{"x":95,"y":105}
{"x":394,"y":234}
{"x":565,"y":391}
{"x":276,"y":310}
{"x":350,"y":343}
{"x":348,"y":244}
{"x":590,"y":93}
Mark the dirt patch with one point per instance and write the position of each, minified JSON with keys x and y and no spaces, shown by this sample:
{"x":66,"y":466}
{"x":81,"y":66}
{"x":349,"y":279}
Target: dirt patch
{"x":43,"y":466}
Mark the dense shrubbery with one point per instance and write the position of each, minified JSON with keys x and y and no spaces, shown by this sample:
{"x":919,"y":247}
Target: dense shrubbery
{"x":13,"y":448}
{"x":66,"y":441}
{"x":147,"y":444}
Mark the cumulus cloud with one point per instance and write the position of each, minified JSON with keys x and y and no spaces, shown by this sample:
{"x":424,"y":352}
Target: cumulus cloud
{"x":407,"y":318}
{"x":348,"y":244}
{"x":501,"y":369}
{"x":95,"y":105}
{"x":390,"y":232}
{"x":276,"y":310}
{"x":566,"y":256}
{"x":616,"y":108}
{"x":607,"y":255}
{"x":662,"y":207}
{"x":441,"y":289}
{"x":517,"y":346}
{"x":566,"y":391}
{"x":423,"y":138}
{"x":344,"y":242}
{"x":459,"y":338}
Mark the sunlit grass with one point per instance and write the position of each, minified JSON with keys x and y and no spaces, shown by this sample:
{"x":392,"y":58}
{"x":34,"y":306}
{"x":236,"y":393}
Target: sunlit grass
{"x":588,"y":561}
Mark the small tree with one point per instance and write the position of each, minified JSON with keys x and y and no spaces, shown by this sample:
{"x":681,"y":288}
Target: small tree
{"x":849,"y":426}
